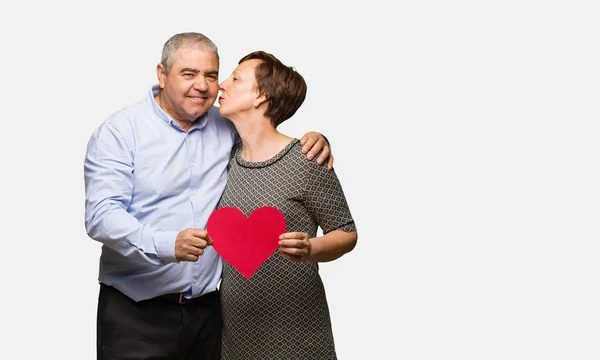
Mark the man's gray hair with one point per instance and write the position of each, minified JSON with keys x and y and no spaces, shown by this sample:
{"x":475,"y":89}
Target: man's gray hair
{"x":185,"y":40}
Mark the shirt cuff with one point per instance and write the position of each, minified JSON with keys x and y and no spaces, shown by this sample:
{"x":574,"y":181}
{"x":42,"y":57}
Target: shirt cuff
{"x":164,"y":241}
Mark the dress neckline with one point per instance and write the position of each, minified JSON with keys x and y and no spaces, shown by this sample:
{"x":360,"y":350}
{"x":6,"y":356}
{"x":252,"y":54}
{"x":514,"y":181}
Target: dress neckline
{"x":259,"y":164}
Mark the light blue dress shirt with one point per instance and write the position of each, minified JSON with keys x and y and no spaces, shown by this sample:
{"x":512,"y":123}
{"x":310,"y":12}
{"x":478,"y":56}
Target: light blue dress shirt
{"x":146,"y":179}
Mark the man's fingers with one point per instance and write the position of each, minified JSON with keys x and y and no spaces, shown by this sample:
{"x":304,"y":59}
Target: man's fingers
{"x":318,"y":146}
{"x":194,"y":250}
{"x":308,"y":145}
{"x":190,"y":244}
{"x":194,"y":253}
{"x":199,"y":233}
{"x":324,"y":155}
{"x":303,"y":139}
{"x":330,"y":162}
{"x":189,"y":256}
{"x":194,"y":237}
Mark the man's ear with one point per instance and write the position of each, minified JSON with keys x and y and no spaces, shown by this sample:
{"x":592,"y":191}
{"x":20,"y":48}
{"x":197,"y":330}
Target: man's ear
{"x":161,"y":74}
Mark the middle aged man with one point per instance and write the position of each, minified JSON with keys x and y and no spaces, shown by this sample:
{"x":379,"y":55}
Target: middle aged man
{"x":154,"y":172}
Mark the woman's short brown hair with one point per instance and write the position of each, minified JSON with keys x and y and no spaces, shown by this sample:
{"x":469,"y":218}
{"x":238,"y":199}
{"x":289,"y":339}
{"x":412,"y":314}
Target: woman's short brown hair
{"x":283,"y":86}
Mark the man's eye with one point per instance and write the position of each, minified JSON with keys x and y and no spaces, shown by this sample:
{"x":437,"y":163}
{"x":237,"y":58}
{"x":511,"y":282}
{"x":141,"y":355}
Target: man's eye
{"x":187,"y":75}
{"x":234,"y":79}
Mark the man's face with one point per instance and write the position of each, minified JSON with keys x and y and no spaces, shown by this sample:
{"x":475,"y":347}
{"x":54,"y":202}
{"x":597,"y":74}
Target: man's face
{"x":192,"y":85}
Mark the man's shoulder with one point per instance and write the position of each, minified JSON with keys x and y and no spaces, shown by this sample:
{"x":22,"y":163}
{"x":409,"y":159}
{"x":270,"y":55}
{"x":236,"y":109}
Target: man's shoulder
{"x":128,"y":116}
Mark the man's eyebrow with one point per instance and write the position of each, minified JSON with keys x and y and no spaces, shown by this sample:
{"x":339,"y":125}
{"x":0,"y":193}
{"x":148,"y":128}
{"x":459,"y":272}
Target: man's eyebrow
{"x":196,"y":71}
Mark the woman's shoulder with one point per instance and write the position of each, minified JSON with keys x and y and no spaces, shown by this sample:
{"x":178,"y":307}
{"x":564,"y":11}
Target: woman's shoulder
{"x":303,"y":164}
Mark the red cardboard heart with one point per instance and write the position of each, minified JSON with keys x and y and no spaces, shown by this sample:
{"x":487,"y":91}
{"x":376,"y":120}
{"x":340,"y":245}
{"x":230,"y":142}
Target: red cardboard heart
{"x":245,"y":243}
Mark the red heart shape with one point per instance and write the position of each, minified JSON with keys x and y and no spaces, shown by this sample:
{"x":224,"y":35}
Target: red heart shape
{"x":245,"y":243}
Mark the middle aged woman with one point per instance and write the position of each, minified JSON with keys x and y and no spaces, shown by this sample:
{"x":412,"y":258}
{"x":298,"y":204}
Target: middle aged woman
{"x":281,"y":312}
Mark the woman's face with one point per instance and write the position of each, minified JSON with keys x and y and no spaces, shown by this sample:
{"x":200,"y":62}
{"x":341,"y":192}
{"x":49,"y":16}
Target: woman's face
{"x":239,"y":93}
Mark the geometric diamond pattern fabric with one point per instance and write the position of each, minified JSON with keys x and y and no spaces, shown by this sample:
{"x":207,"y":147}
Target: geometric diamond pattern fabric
{"x":282,"y":311}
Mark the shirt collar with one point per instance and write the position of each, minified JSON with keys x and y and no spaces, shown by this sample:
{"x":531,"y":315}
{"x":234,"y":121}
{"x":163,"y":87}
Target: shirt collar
{"x":155,"y":90}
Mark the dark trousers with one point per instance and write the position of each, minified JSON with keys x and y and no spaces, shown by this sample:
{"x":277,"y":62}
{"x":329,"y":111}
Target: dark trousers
{"x":158,"y":328}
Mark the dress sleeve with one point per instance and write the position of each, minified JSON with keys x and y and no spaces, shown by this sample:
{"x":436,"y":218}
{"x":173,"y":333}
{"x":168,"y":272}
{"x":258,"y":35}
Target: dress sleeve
{"x":325,"y":200}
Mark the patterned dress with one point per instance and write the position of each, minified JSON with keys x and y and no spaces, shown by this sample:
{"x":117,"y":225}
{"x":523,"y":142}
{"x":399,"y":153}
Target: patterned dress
{"x":282,"y":311}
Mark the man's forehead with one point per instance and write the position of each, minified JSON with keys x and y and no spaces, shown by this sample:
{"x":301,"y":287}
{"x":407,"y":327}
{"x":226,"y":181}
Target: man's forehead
{"x":194,"y":50}
{"x":196,"y":58}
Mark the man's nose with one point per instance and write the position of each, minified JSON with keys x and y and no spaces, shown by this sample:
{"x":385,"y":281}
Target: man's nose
{"x":201,"y":84}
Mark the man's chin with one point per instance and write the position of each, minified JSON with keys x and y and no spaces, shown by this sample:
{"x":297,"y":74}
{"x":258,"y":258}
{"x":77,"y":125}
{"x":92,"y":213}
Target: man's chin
{"x":196,"y":114}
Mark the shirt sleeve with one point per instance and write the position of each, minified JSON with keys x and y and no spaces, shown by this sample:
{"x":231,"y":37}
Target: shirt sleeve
{"x":325,"y":200}
{"x":108,"y":175}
